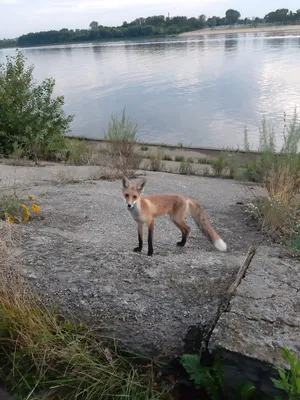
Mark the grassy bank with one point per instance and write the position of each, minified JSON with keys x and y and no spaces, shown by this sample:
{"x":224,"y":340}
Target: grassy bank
{"x":44,"y":356}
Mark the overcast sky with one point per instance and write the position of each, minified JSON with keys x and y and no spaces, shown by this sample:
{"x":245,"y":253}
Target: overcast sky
{"x":23,"y":16}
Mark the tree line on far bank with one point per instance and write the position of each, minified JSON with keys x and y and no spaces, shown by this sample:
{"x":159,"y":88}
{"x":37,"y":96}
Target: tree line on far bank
{"x":157,"y":25}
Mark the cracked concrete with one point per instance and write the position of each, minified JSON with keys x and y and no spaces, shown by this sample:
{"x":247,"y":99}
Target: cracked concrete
{"x":80,"y":254}
{"x":263,"y":316}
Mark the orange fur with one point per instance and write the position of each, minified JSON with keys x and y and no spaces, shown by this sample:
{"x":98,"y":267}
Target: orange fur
{"x":145,"y":209}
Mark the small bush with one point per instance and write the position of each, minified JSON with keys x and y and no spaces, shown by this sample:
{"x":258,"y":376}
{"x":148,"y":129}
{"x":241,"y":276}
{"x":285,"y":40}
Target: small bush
{"x":279,"y":173}
{"x":80,"y":154}
{"x":190,"y":160}
{"x":254,"y":171}
{"x":205,"y":161}
{"x":30,"y":117}
{"x":167,"y":157}
{"x":13,"y":209}
{"x":122,"y":136}
{"x":289,"y":381}
{"x":211,"y":378}
{"x":179,"y":158}
{"x":186,"y":168}
{"x":221,"y":165}
{"x":206,"y":171}
{"x":156,"y":163}
{"x":144,"y":148}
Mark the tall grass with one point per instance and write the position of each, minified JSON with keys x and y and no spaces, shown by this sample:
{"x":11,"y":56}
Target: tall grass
{"x":155,"y":161}
{"x":279,"y":173}
{"x":44,"y":356}
{"x":221,"y":165}
{"x":122,"y":136}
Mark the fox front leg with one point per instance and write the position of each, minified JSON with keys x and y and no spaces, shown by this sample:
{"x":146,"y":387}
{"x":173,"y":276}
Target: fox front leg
{"x":150,"y":238}
{"x":140,"y":237}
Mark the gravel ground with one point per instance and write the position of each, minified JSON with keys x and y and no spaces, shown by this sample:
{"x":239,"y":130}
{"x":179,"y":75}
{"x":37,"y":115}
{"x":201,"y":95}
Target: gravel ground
{"x":78,"y":252}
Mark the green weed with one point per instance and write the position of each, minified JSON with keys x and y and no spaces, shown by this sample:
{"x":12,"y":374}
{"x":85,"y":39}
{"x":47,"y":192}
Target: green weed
{"x":289,"y":379}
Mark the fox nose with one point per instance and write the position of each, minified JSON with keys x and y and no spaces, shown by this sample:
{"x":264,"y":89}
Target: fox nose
{"x":129,"y":205}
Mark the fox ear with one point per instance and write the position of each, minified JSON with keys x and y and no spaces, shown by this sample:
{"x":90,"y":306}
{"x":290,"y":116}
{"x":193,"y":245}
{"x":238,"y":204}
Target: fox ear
{"x":140,"y":186}
{"x":125,"y":182}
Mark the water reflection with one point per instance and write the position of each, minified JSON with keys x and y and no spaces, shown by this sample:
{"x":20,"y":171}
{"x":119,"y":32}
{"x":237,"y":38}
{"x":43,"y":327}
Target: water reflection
{"x":195,"y":89}
{"x":230,"y":45}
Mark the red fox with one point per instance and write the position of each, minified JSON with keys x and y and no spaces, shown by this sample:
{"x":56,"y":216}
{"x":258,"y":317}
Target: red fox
{"x":144,"y":209}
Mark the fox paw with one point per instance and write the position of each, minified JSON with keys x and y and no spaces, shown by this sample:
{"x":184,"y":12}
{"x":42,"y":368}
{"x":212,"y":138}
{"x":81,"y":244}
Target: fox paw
{"x":137,"y":249}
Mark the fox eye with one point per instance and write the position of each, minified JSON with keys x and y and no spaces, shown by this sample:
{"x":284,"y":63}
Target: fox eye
{"x":134,"y":197}
{"x":126,"y":195}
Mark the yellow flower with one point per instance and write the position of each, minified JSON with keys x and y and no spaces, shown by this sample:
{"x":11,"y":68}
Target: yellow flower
{"x":10,"y":219}
{"x":31,"y":197}
{"x":25,"y":218}
{"x":26,"y":209}
{"x":35,"y":207}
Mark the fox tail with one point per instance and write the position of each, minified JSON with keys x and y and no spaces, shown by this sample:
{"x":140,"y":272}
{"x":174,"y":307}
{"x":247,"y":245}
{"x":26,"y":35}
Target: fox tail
{"x":202,"y":222}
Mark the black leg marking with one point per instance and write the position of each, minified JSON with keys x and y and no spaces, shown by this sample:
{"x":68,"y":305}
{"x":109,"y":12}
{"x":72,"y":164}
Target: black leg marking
{"x":140,"y":246}
{"x":183,"y":240}
{"x":150,"y":240}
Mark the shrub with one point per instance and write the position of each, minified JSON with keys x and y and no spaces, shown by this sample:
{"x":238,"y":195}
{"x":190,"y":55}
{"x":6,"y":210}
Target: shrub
{"x":186,"y":168}
{"x":122,"y":136}
{"x":179,"y":158}
{"x":190,"y":160}
{"x":156,"y":163}
{"x":144,"y":148}
{"x":289,"y":381}
{"x":13,"y":209}
{"x":205,"y":161}
{"x":211,"y":378}
{"x":167,"y":157}
{"x":30,"y":117}
{"x":221,"y":165}
{"x":279,"y":173}
{"x":80,"y":154}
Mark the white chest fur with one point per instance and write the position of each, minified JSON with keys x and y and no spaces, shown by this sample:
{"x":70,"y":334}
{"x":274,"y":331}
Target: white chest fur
{"x":135,"y":212}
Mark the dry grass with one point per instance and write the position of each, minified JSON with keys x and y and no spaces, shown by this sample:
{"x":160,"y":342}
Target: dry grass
{"x":281,"y":209}
{"x":279,"y":173}
{"x":155,"y":161}
{"x":43,"y":356}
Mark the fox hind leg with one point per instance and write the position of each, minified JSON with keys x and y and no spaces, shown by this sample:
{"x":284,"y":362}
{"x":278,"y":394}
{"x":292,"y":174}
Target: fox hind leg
{"x":184,"y":228}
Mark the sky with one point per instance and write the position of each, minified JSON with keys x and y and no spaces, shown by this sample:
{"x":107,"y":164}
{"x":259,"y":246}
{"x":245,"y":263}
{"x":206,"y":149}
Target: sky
{"x":22,"y":16}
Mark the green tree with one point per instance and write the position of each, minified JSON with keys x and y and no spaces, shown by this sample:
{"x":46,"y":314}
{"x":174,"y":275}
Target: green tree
{"x":94,"y":25}
{"x":232,"y":16}
{"x":212,"y":21}
{"x":202,"y":20}
{"x":30,"y":117}
{"x":280,"y":15}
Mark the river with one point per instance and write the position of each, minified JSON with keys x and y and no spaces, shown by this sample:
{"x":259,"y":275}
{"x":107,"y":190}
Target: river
{"x":198,"y":91}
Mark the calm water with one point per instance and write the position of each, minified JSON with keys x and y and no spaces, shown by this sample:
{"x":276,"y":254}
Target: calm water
{"x":196,"y":90}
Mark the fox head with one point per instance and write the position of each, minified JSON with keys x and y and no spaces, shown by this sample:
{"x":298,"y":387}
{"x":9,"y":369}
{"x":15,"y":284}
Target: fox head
{"x":132,"y":191}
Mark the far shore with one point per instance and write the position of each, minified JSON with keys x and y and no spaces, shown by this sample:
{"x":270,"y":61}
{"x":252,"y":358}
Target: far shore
{"x":216,"y":31}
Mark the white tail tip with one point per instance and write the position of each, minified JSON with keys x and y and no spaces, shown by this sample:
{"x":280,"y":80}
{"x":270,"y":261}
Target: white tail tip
{"x":220,"y":245}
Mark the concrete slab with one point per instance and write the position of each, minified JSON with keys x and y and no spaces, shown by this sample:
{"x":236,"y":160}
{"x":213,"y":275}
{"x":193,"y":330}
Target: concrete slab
{"x":263,"y":317}
{"x":80,"y":254}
